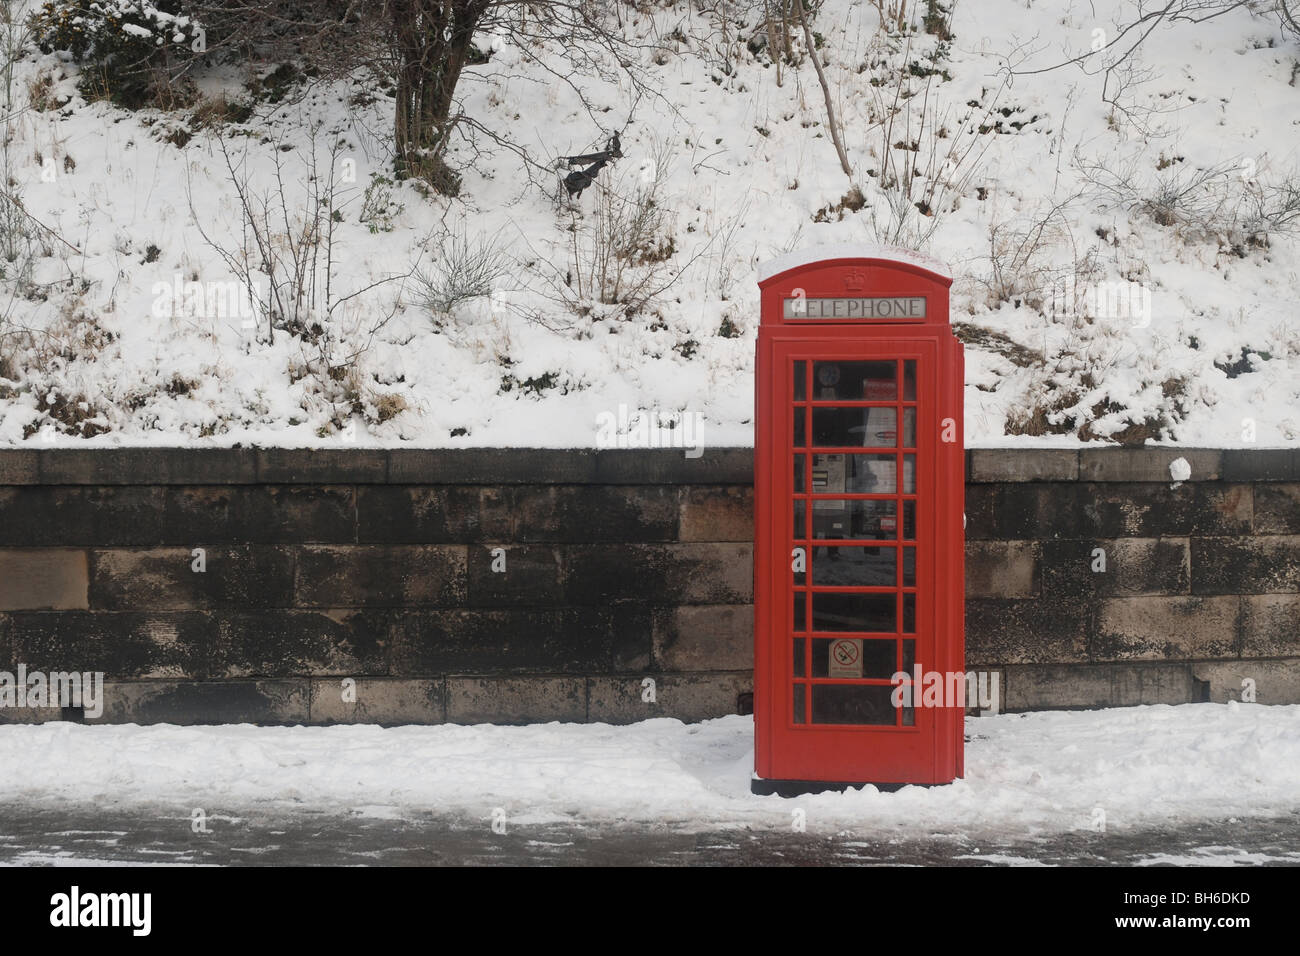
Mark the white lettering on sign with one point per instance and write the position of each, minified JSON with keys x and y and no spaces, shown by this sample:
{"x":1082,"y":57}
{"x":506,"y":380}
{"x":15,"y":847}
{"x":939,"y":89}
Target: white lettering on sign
{"x":903,"y":308}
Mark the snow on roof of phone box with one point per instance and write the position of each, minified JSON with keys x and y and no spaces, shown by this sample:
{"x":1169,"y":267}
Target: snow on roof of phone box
{"x":855,"y":250}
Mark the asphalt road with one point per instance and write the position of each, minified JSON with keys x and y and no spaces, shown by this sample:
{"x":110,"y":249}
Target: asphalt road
{"x":46,"y":835}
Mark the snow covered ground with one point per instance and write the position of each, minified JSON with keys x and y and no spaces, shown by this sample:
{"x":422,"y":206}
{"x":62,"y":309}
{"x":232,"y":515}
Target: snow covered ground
{"x":1029,"y":775}
{"x":1057,"y":191}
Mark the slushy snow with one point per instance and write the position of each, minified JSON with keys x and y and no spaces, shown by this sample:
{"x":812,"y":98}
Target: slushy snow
{"x":1027,"y":774}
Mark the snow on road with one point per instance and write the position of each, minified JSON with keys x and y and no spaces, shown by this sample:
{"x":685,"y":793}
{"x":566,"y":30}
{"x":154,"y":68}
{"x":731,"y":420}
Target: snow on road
{"x":1032,"y":773}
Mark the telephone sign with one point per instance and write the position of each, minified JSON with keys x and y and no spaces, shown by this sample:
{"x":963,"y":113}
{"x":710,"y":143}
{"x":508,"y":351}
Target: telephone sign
{"x":858,"y":500}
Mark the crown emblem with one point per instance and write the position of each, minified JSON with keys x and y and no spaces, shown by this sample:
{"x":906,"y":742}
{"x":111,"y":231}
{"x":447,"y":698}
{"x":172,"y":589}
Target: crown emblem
{"x":855,"y":280}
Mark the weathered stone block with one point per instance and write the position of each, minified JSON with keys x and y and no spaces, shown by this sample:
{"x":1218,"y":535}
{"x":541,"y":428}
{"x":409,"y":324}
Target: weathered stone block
{"x":1147,"y":464}
{"x":333,"y":465}
{"x":1060,"y":687}
{"x":1022,"y":464}
{"x":514,"y":574}
{"x":687,"y":697}
{"x":38,"y":579}
{"x":336,"y":641}
{"x":377,"y":701}
{"x":373,"y":576}
{"x":178,"y":644}
{"x":1030,"y":631}
{"x":432,"y":514}
{"x":1132,"y":566}
{"x":1155,"y":628}
{"x":670,"y":466}
{"x":1031,"y":510}
{"x":68,"y":515}
{"x":1277,"y":508}
{"x":164,"y":579}
{"x":1274,"y":682}
{"x":704,"y":638}
{"x":666,"y":574}
{"x":1271,"y":625}
{"x":1261,"y":464}
{"x":981,"y":506}
{"x":1156,"y":510}
{"x":148,"y":466}
{"x":516,"y":700}
{"x":591,"y":513}
{"x":19,"y":466}
{"x":198,"y":516}
{"x":491,"y":466}
{"x":717,"y":513}
{"x":1002,"y":569}
{"x":202,"y":702}
{"x":1258,"y":565}
{"x":514,"y":641}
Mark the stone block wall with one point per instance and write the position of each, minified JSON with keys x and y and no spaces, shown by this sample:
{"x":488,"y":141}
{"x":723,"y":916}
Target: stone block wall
{"x":502,"y":585}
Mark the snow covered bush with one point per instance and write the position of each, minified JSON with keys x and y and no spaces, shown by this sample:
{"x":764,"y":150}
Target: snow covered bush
{"x":130,"y":51}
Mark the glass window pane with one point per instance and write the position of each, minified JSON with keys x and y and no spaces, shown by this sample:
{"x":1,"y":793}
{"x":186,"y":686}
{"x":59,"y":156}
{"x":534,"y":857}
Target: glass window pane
{"x":856,"y":381}
{"x":799,"y":425}
{"x":909,"y":613}
{"x":852,"y":704}
{"x":799,"y":617}
{"x":909,"y":567}
{"x":848,"y":658}
{"x":799,"y":709}
{"x":909,"y":474}
{"x":909,"y":428}
{"x":852,"y":566}
{"x":855,"y":427}
{"x":854,"y":612}
{"x":909,"y":656}
{"x":798,"y":657}
{"x":909,"y":380}
{"x":799,"y":512}
{"x":909,"y":520}
{"x":799,"y":473}
{"x":840,"y":518}
{"x":800,"y":371}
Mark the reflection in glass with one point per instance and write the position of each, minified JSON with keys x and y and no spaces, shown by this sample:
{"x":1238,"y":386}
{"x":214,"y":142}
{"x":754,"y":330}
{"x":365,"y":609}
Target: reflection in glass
{"x":856,"y":381}
{"x":909,"y":380}
{"x":799,"y":513}
{"x":800,"y":370}
{"x":852,"y":704}
{"x":841,"y":518}
{"x":854,"y":612}
{"x":837,"y":427}
{"x":799,"y":708}
{"x":909,"y":428}
{"x":909,"y":567}
{"x":839,"y":566}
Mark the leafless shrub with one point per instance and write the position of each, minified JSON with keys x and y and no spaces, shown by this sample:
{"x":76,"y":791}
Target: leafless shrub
{"x":460,"y":267}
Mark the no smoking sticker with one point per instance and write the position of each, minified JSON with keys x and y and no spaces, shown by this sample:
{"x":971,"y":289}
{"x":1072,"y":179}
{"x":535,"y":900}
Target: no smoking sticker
{"x":845,"y":658}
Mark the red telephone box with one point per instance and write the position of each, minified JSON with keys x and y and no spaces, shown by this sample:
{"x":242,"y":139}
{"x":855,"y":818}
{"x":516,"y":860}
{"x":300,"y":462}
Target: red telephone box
{"x":858,"y":505}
